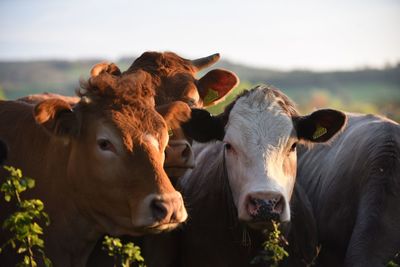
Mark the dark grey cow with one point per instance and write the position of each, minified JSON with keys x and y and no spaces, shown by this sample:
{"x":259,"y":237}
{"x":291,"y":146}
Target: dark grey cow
{"x":354,"y":187}
{"x":243,"y":181}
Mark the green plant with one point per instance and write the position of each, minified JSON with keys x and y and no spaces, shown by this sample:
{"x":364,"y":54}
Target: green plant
{"x":393,"y":263}
{"x":125,"y":254}
{"x":273,"y":248}
{"x":23,"y":223}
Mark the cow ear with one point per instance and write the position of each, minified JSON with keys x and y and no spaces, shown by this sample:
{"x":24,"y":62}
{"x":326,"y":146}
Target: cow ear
{"x":215,"y":85}
{"x":107,"y":67}
{"x":203,"y":127}
{"x":57,"y":117}
{"x":320,"y":126}
{"x":174,"y":113}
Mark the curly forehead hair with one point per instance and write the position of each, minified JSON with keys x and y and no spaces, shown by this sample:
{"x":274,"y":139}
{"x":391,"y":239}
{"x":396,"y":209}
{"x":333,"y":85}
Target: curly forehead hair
{"x":165,"y":64}
{"x":127,"y":101}
{"x":119,"y":90}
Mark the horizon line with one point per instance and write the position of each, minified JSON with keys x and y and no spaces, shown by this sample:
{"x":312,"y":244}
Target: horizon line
{"x":382,"y":66}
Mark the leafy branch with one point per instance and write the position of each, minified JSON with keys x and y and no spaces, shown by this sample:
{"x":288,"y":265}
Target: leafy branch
{"x":395,"y":261}
{"x":23,"y":223}
{"x":273,"y":248}
{"x":125,"y":254}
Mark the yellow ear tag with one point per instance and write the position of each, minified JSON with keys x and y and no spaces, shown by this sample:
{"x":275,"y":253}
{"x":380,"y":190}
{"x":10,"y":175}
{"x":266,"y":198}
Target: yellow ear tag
{"x":210,"y":97}
{"x":320,"y":131}
{"x":170,"y":132}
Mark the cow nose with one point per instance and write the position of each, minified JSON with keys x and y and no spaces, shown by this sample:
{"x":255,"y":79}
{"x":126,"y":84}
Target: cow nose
{"x":265,"y":208}
{"x":179,"y":155}
{"x":187,"y":152}
{"x":168,"y":208}
{"x":158,"y":209}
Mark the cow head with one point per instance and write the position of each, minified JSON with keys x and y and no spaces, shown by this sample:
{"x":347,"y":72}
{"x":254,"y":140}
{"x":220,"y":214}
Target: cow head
{"x":116,"y":141}
{"x":260,"y":131}
{"x":178,"y":153}
{"x":173,"y":78}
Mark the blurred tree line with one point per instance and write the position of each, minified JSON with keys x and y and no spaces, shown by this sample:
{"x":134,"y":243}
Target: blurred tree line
{"x":365,"y":90}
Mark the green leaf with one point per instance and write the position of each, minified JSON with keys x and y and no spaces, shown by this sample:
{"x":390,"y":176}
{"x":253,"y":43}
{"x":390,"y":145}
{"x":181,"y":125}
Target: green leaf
{"x":30,"y":182}
{"x":21,"y":250}
{"x":36,"y":228}
{"x":27,"y":260}
{"x":47,"y":262}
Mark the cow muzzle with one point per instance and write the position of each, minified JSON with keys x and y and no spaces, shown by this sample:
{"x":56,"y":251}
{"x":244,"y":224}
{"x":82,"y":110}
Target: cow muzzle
{"x":263,"y":208}
{"x":179,"y":158}
{"x":161,"y":212}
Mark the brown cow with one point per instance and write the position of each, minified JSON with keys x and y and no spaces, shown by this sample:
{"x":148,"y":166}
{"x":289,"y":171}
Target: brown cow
{"x":98,"y":166}
{"x":173,"y":79}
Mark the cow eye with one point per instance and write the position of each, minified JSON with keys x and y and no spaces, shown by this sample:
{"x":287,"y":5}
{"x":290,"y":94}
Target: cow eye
{"x":105,"y":145}
{"x":228,"y":146}
{"x":293,"y":148}
{"x":191,"y":102}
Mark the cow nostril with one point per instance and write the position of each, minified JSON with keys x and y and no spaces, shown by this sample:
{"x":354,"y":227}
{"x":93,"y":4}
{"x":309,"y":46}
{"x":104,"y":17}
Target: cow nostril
{"x":186,"y":152}
{"x":267,"y":208}
{"x":278,"y":205}
{"x":158,"y":209}
{"x":253,"y":206}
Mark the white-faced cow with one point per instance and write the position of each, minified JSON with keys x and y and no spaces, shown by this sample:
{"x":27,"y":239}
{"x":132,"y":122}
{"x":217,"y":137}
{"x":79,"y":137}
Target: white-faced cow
{"x":173,"y":79}
{"x":242,"y":181}
{"x":98,"y":166}
{"x":354,"y":188}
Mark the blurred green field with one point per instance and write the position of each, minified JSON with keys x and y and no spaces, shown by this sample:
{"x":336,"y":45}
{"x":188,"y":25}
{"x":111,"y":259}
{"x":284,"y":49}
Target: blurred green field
{"x":367,"y":90}
{"x":372,"y":98}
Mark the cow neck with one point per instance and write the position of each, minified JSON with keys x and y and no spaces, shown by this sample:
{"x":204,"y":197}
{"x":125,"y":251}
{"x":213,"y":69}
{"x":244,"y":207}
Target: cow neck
{"x":74,"y":236}
{"x":215,"y":200}
{"x":72,"y":232}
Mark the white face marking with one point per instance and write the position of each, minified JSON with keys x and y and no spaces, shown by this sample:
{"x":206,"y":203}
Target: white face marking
{"x":152,"y":141}
{"x":260,"y":134}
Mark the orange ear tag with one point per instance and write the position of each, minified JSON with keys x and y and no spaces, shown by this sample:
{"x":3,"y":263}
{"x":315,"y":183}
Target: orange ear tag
{"x":320,"y":131}
{"x":210,"y":97}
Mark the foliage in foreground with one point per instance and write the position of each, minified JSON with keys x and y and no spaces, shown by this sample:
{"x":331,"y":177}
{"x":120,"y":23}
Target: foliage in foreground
{"x":274,"y":248}
{"x":123,"y":254}
{"x":23,"y":223}
{"x":393,"y":263}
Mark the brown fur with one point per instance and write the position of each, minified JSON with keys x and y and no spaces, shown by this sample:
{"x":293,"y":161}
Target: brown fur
{"x":83,"y":196}
{"x":172,"y":76}
{"x":33,"y":99}
{"x":162,"y":64}
{"x":169,"y":78}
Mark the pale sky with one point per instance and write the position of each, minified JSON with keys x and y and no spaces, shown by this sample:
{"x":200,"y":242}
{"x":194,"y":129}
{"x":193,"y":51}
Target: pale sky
{"x":312,"y":34}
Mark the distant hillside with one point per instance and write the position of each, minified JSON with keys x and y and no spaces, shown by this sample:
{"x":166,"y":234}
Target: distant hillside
{"x":373,"y":89}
